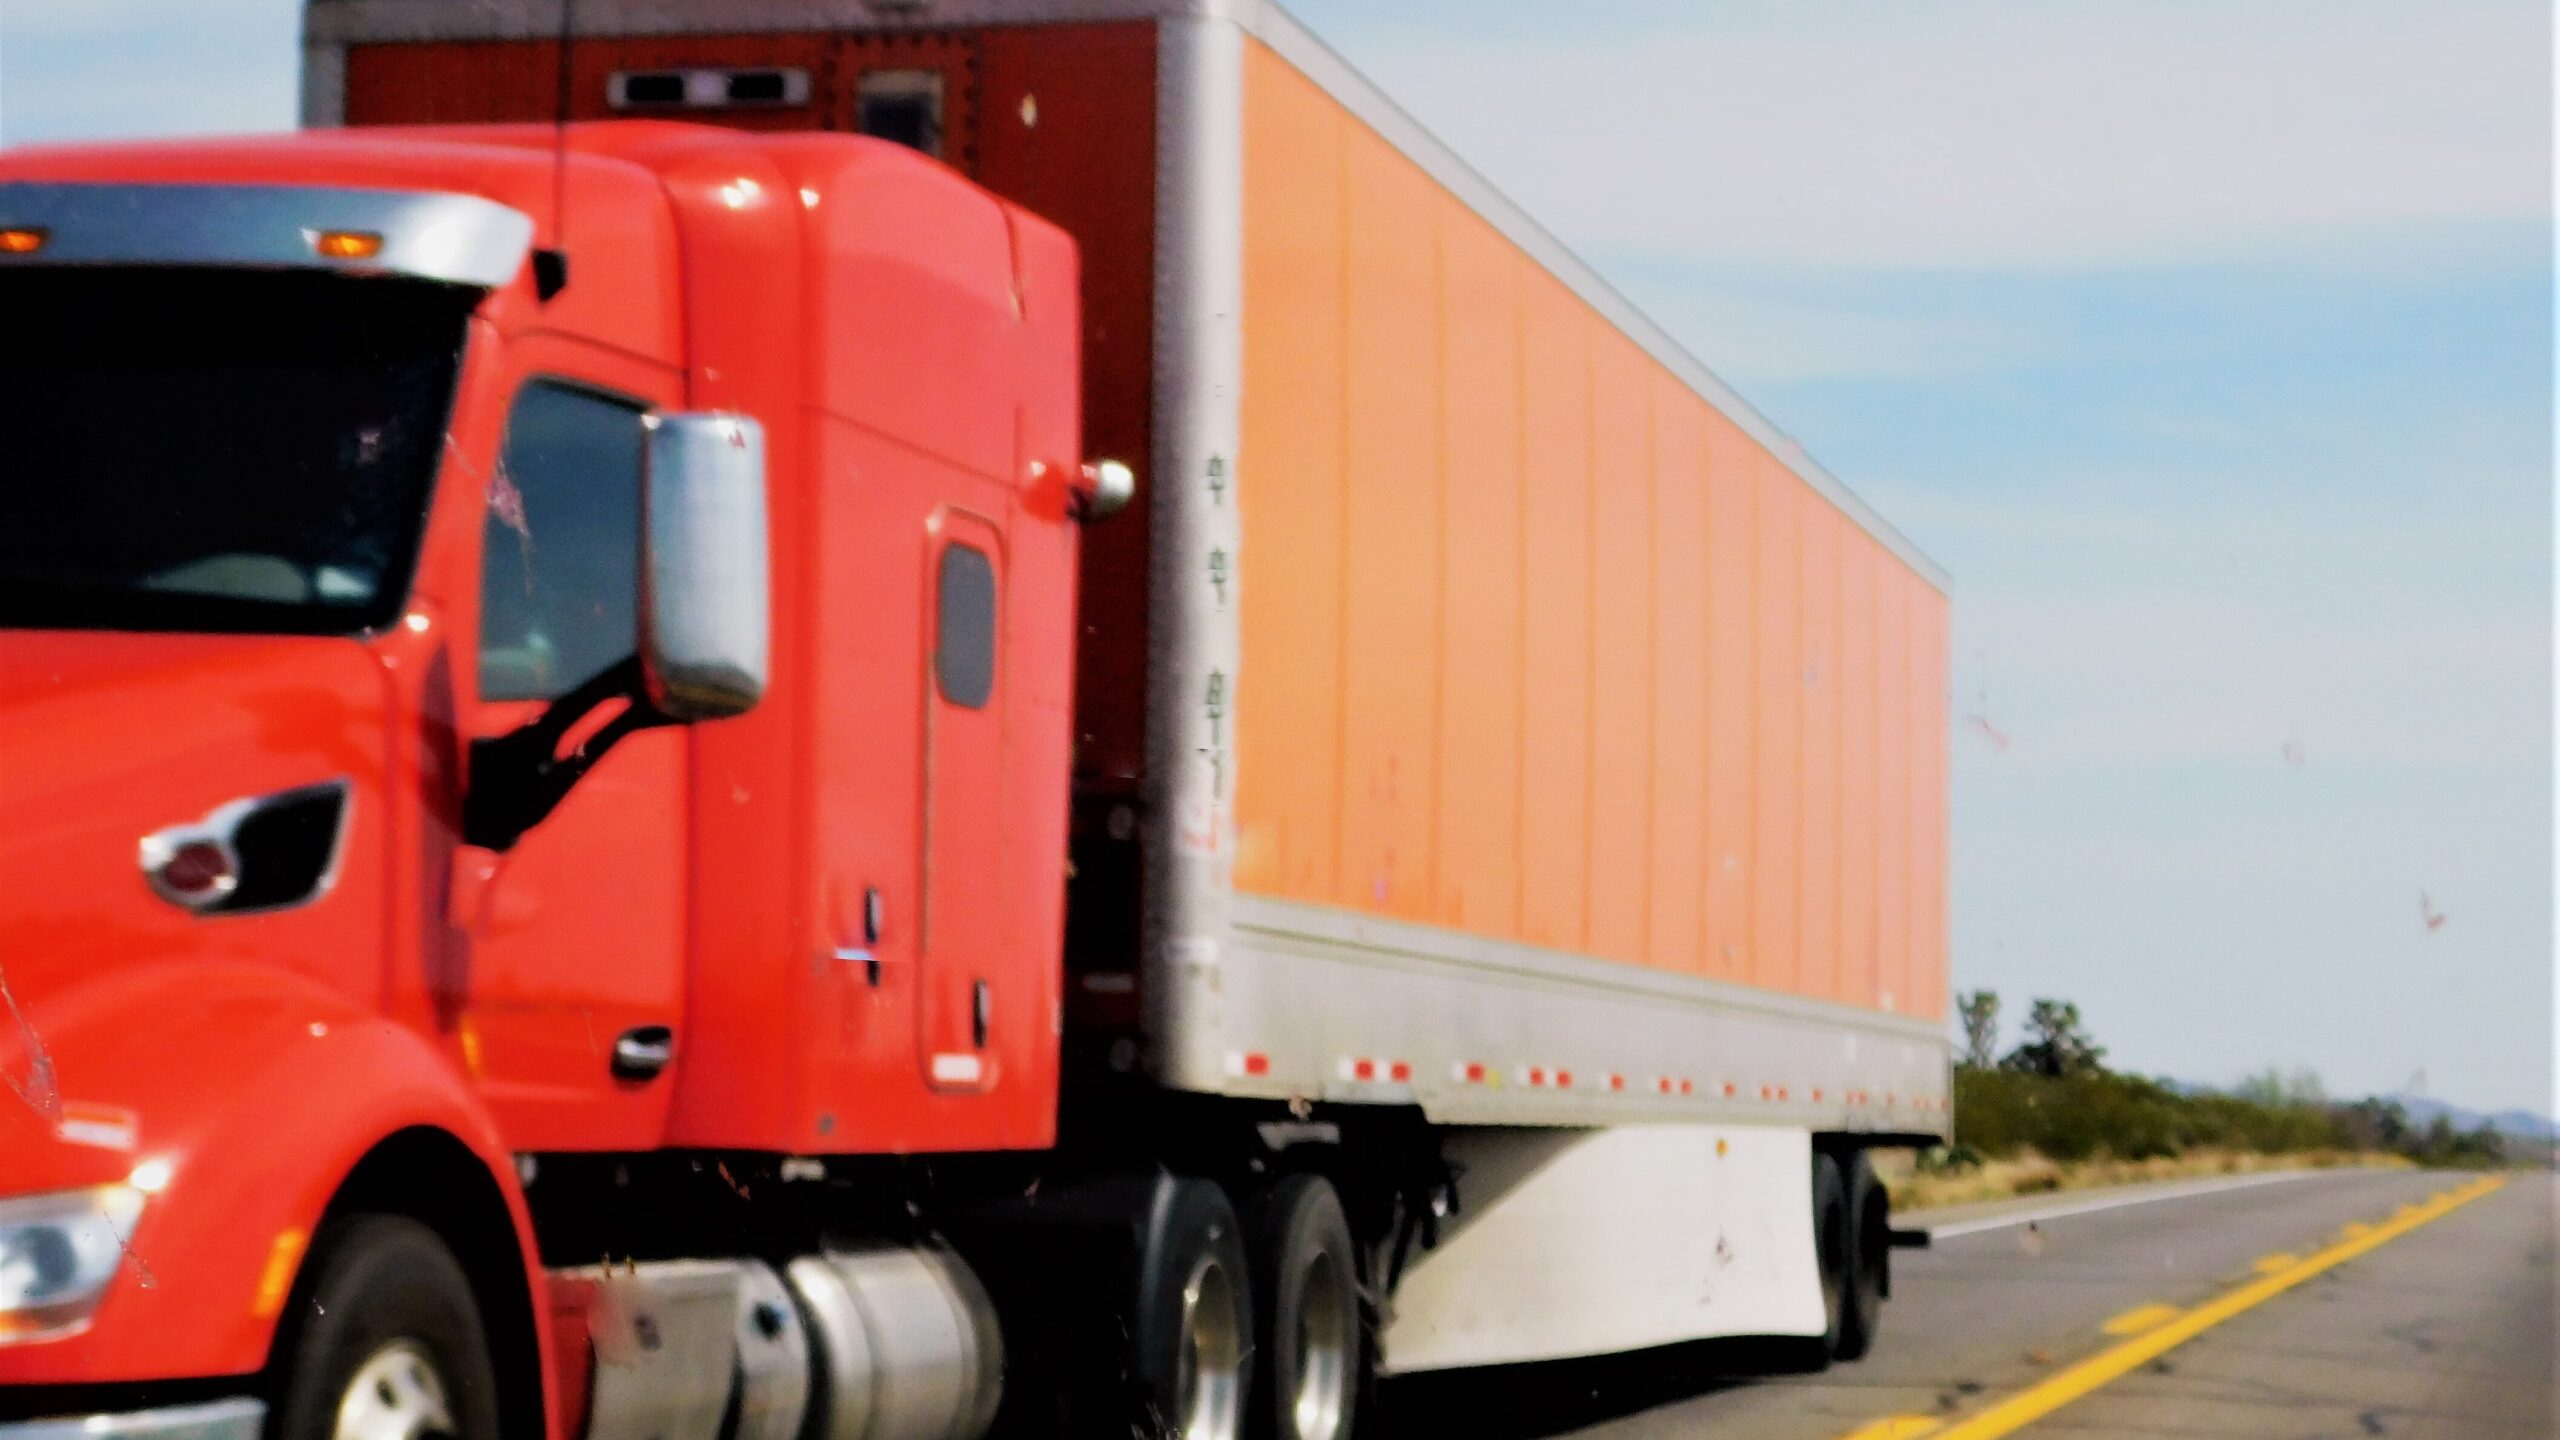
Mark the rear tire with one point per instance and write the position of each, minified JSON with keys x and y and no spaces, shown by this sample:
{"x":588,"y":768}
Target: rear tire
{"x":1831,"y":1265}
{"x":386,"y":1342}
{"x":1193,"y":1337}
{"x":1314,"y":1354}
{"x":1870,"y":1256}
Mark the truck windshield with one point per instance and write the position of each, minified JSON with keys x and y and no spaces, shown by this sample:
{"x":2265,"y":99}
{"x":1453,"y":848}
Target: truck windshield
{"x":205,"y":450}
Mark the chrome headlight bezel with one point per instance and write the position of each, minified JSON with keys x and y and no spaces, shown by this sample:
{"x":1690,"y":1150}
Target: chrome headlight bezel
{"x":59,"y":1253}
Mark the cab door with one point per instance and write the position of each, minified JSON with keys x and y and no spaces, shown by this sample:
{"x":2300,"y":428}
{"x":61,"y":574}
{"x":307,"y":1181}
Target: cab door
{"x":962,"y":932}
{"x":575,"y":967}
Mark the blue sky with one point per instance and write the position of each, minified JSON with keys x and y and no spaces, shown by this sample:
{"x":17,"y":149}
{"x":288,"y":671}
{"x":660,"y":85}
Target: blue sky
{"x":2207,"y":344}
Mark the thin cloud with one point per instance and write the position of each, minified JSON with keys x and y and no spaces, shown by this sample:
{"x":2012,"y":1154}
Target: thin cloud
{"x":2002,"y":134}
{"x":1752,"y":335}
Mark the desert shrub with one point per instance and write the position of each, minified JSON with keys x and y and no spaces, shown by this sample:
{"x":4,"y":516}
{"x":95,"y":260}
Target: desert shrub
{"x":1947,"y":1160}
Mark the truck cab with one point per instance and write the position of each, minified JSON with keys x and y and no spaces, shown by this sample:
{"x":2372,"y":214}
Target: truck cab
{"x":449,"y":563}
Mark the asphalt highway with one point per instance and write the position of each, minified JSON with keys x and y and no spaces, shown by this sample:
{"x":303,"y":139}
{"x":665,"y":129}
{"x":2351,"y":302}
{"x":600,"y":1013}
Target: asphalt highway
{"x":2338,"y":1304}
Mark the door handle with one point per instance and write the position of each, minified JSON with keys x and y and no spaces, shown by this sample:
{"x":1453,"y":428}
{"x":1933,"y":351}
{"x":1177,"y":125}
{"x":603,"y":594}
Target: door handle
{"x":868,"y":959}
{"x":643,"y":1052}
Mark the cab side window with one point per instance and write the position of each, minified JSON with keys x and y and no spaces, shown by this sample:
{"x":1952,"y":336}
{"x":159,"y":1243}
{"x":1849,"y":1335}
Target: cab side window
{"x":560,"y":557}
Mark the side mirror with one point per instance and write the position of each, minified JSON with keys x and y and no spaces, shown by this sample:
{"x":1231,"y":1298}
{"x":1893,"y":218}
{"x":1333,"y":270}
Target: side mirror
{"x":707,"y":602}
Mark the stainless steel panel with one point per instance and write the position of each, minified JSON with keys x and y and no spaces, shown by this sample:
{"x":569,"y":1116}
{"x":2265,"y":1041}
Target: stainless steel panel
{"x":774,"y":1358}
{"x":908,"y":1340}
{"x":665,"y":1337}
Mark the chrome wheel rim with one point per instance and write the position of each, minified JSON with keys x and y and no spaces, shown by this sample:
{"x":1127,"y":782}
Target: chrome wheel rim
{"x":1209,"y":1384}
{"x":1325,"y":1335}
{"x":395,"y":1394}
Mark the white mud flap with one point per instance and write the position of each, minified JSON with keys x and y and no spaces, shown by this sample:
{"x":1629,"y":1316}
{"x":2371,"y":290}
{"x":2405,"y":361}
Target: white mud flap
{"x":1588,"y":1242}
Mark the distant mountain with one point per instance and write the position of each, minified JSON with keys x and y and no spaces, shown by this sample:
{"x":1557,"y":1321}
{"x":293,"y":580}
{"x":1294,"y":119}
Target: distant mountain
{"x":2523,"y":1124}
{"x":2422,"y":1110}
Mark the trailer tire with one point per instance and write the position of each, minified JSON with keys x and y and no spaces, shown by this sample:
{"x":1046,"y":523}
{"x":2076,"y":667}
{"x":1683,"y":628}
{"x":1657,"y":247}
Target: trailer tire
{"x":1193,"y":1336}
{"x":1831,"y":1249}
{"x":385,"y":1339}
{"x":1314,"y":1350}
{"x":1870,"y":1258}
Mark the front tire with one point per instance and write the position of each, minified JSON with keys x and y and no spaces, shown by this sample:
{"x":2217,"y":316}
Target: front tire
{"x":1313,"y":1353}
{"x":386,"y":1342}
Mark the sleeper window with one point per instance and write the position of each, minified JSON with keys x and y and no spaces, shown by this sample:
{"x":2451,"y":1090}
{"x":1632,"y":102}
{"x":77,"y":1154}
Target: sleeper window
{"x":964,"y":655}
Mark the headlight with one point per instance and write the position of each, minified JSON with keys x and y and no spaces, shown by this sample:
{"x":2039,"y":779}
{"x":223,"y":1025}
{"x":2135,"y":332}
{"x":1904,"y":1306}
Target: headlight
{"x":57,"y":1253}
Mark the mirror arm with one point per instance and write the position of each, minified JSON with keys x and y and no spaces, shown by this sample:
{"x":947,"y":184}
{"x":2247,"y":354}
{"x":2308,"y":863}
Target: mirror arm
{"x":518,"y":778}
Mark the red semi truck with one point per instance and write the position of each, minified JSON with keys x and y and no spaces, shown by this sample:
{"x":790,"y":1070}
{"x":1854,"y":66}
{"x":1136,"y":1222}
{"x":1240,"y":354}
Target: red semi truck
{"x":605,"y":838}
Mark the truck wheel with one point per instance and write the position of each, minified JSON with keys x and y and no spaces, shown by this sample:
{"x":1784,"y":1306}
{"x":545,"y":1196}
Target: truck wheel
{"x":1195,"y":1319}
{"x":385,"y":1342}
{"x":1870,"y":1255}
{"x":1313,"y":1354}
{"x":1831,"y":1263}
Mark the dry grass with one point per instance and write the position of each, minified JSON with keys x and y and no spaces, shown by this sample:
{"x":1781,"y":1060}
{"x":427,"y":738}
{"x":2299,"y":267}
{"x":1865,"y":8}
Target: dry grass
{"x":2032,"y":1174}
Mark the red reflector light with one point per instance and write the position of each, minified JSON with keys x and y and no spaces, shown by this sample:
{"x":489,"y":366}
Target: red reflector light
{"x":1475,"y":1073}
{"x":1400,"y":1072}
{"x":22,"y":240}
{"x":197,"y":871}
{"x":1364,"y":1069}
{"x":1257,"y":1064}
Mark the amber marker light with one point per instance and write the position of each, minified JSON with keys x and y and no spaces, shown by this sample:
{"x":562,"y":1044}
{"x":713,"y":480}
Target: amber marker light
{"x":345,"y":244}
{"x":22,"y":239}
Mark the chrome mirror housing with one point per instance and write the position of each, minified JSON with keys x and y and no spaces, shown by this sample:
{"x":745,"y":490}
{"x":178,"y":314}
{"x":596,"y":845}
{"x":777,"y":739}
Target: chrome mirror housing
{"x":707,"y":606}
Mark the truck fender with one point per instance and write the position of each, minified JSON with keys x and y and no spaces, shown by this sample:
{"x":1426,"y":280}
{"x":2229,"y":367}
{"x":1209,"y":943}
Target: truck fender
{"x":242,"y":1097}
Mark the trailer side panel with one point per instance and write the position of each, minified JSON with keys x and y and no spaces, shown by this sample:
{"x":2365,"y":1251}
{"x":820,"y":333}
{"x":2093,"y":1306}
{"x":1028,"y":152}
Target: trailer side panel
{"x":1545,"y":656}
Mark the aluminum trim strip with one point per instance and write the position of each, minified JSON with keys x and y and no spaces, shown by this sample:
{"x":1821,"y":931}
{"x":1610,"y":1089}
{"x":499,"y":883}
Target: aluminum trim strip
{"x":1300,"y":987}
{"x":1193,"y":641}
{"x":427,"y":235}
{"x":324,"y":85}
{"x":1285,"y":921}
{"x":235,"y":1419}
{"x":341,"y":22}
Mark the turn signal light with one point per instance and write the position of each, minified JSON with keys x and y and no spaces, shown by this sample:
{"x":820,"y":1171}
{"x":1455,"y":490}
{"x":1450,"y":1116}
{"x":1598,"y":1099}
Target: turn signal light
{"x":346,"y":244}
{"x":22,"y":240}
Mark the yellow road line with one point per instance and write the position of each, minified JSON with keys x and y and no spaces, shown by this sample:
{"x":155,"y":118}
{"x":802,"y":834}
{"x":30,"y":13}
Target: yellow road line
{"x":2277,"y":1264}
{"x":2146,"y":1317}
{"x":2043,"y":1399}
